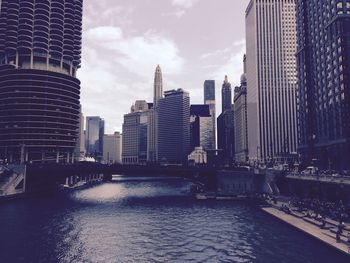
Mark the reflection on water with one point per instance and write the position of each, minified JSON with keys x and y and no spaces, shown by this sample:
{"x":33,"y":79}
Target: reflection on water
{"x":154,"y":221}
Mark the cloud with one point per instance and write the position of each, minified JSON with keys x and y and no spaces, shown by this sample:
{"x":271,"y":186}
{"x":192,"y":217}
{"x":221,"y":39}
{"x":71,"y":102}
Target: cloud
{"x":228,"y":61}
{"x":184,"y":3}
{"x":233,"y":66}
{"x":104,"y":33}
{"x":117,"y":70}
{"x":223,"y":52}
{"x":178,"y":13}
{"x":139,"y":54}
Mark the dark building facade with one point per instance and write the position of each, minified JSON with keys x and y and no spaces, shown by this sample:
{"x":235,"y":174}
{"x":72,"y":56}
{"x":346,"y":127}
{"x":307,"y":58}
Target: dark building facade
{"x":201,"y":127}
{"x":226,"y":137}
{"x":174,"y":127}
{"x":225,"y":124}
{"x":323,"y":60}
{"x":226,"y":95}
{"x":40,"y":52}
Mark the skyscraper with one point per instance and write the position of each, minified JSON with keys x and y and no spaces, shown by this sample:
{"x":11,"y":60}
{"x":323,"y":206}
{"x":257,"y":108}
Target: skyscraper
{"x":271,"y":78}
{"x":112,"y":148}
{"x":240,"y":119}
{"x":174,"y":126}
{"x":152,"y":137}
{"x":94,"y":137}
{"x":40,"y":50}
{"x":226,"y":95}
{"x":209,"y":99}
{"x":135,"y":132}
{"x":158,"y":86}
{"x":201,"y":127}
{"x":225,"y":122}
{"x":324,"y":82}
{"x":226,"y":137}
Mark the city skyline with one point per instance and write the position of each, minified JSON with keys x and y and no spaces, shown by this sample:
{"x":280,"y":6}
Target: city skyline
{"x":127,"y":40}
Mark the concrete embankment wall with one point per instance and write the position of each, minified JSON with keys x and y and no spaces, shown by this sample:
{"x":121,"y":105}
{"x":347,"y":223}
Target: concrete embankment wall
{"x":332,"y":190}
{"x":12,"y":180}
{"x":238,"y":182}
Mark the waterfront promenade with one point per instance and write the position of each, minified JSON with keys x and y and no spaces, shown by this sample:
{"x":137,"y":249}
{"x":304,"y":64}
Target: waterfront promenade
{"x":324,"y":235}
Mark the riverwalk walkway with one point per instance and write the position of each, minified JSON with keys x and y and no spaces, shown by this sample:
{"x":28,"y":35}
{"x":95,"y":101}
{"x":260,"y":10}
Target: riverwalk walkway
{"x":323,"y":235}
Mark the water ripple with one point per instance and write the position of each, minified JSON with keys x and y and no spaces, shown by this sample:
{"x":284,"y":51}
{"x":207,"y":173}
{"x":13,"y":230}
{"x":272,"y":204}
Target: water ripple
{"x":149,"y":222}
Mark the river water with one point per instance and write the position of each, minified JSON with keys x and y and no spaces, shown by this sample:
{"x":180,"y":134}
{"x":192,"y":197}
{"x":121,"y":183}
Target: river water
{"x":148,"y":221}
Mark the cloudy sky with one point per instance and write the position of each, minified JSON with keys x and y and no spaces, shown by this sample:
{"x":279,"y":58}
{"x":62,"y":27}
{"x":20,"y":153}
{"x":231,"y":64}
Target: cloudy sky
{"x":123,"y":41}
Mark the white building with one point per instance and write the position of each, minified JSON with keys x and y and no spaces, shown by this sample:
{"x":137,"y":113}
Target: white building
{"x":112,"y":148}
{"x":152,"y":138}
{"x":198,"y":156}
{"x":271,"y":78}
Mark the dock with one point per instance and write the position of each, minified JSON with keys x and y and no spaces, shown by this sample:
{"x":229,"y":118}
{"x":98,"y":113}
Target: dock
{"x":323,"y":235}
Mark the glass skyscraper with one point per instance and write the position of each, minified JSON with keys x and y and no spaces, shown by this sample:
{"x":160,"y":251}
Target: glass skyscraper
{"x":40,"y":52}
{"x":174,"y":127}
{"x":94,"y":137}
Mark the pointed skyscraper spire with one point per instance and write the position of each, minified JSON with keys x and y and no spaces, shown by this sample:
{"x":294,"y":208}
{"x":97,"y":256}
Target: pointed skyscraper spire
{"x":158,"y":86}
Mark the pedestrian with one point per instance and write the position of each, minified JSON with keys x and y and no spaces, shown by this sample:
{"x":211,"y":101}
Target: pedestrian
{"x":337,"y":237}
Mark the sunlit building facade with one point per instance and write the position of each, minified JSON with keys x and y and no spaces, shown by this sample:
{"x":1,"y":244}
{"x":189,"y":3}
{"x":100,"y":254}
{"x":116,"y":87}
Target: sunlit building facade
{"x":112,"y":148}
{"x":271,"y":79}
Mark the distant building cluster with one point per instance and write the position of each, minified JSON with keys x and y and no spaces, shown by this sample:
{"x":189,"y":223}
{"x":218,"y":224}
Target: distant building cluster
{"x":169,"y":129}
{"x":292,"y":104}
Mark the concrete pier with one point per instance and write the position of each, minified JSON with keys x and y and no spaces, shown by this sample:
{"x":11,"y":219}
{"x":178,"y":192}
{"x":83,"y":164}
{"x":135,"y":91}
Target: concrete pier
{"x":321,"y":234}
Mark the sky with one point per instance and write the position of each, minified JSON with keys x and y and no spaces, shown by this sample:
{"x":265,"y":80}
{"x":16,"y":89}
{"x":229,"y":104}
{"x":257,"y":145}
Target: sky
{"x":124,"y":41}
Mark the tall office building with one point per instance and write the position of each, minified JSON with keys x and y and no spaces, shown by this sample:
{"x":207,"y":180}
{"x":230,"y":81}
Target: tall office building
{"x":271,"y":79}
{"x":226,"y":95}
{"x":152,"y":117}
{"x":324,"y":82}
{"x":226,"y":137}
{"x":240,"y":119}
{"x":225,"y":124}
{"x":201,"y":127}
{"x":135,"y":132}
{"x":40,"y":50}
{"x":158,"y":86}
{"x":174,"y":127}
{"x":112,"y":148}
{"x":209,"y":99}
{"x":94,"y":137}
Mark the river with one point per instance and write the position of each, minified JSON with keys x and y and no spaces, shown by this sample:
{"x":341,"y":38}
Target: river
{"x":148,"y":221}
